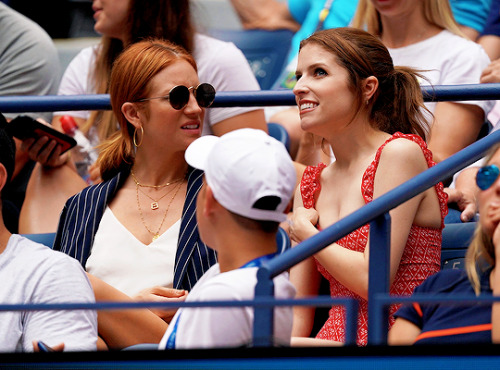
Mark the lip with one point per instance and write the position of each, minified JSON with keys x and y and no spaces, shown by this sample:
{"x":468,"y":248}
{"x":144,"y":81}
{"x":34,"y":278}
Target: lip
{"x":191,"y":126}
{"x":303,"y":102}
{"x":97,"y":12}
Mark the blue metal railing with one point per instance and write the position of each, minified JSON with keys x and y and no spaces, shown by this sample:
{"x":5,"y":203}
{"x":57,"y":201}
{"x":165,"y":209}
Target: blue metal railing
{"x":375,"y":212}
{"x":16,"y":104}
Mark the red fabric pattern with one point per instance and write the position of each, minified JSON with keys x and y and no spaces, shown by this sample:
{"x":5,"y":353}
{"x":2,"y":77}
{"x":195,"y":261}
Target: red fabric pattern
{"x":421,"y":257}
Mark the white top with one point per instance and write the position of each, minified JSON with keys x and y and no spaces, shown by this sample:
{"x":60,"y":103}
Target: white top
{"x":122,"y":261}
{"x":228,"y":327}
{"x":449,"y":59}
{"x":31,"y":273}
{"x":220,"y":63}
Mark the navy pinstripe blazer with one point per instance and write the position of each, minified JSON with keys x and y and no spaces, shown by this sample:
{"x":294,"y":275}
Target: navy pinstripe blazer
{"x":82,"y":214}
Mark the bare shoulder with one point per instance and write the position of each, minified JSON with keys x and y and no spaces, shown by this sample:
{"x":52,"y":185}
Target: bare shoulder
{"x":404,"y":152}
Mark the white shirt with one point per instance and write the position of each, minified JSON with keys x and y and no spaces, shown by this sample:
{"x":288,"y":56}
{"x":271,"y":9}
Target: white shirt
{"x":31,"y":273}
{"x":208,"y":327}
{"x":121,"y":260}
{"x":220,"y":63}
{"x":447,"y":59}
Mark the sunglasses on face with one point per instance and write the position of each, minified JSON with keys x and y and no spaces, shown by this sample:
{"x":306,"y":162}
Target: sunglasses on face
{"x":486,"y":176}
{"x":178,"y":96}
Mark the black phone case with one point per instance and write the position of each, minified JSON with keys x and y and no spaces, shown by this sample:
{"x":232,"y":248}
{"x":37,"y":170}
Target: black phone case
{"x":23,"y":127}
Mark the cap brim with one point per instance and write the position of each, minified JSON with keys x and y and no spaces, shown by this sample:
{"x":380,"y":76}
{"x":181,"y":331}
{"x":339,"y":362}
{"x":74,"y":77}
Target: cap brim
{"x":197,"y":152}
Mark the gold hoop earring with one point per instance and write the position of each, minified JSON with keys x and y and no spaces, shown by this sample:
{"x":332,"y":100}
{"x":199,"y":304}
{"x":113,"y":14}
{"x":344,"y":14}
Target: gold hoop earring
{"x":135,"y":137}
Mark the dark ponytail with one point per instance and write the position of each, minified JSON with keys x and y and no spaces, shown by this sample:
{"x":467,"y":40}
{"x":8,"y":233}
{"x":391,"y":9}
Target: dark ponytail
{"x":399,"y":105}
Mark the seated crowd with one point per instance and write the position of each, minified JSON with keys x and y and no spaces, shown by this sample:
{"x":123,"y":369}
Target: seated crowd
{"x":186,"y":200}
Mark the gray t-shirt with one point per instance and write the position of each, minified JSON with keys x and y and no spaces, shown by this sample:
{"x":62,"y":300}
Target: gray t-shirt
{"x":33,"y":273}
{"x":29,"y":63}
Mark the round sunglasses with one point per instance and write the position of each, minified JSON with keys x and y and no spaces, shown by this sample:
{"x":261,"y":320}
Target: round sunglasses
{"x":178,"y":96}
{"x":486,"y":176}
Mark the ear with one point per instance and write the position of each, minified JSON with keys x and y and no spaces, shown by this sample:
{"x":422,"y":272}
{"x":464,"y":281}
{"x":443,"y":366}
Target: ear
{"x":132,"y":114}
{"x":3,"y":176}
{"x":209,"y":202}
{"x":370,"y":85}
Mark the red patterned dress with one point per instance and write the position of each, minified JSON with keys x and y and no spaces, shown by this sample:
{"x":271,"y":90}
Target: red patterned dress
{"x":421,"y":257}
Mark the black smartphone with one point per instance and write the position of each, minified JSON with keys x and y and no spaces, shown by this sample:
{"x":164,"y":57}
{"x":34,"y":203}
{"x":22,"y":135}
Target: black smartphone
{"x":44,"y":347}
{"x":24,"y":127}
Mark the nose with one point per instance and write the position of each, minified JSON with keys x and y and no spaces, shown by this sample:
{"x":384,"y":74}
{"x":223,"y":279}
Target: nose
{"x":300,"y":87}
{"x":192,"y":107}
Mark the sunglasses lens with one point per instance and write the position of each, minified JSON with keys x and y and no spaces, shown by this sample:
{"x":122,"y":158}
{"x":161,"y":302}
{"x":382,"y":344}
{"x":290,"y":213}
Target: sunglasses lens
{"x":486,"y":176}
{"x":179,"y":97}
{"x":205,"y":95}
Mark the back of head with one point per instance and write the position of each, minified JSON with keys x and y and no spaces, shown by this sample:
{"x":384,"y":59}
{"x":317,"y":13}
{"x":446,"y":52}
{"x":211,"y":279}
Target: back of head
{"x":130,"y":82}
{"x":398,"y":103}
{"x":436,"y":12}
{"x":250,"y":173}
{"x":7,"y":149}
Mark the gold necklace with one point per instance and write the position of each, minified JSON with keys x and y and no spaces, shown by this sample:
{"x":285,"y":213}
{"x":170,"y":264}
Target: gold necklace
{"x":154,"y":186}
{"x":156,"y":234}
{"x":154,"y":204}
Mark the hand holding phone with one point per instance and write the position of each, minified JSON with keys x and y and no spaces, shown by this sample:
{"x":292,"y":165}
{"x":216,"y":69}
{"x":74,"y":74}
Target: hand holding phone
{"x":24,"y":127}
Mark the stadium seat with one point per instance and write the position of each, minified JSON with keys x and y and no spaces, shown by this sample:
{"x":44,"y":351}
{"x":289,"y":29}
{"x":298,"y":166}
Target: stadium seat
{"x":266,"y":51}
{"x":279,"y":133}
{"x":45,"y":239}
{"x":456,"y":239}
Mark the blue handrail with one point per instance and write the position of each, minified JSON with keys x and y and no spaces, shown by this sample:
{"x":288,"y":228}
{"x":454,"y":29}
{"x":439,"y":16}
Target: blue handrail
{"x":53,"y":103}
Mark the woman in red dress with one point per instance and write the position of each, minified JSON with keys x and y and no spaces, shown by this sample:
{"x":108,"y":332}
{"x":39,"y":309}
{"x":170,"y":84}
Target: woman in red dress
{"x":371,"y":113}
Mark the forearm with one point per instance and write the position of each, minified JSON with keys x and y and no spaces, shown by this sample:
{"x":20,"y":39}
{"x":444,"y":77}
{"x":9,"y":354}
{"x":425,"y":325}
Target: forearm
{"x":123,"y":328}
{"x":265,"y":14}
{"x":306,"y":279}
{"x":349,"y":267}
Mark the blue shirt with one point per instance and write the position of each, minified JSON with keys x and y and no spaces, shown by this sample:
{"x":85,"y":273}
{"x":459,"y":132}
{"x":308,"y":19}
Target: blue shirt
{"x":306,"y":12}
{"x":450,"y":324}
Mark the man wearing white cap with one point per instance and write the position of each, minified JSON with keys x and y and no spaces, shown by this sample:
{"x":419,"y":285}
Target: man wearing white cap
{"x":249,"y":182}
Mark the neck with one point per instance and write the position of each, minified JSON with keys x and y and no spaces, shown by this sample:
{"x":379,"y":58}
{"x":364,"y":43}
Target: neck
{"x":159,"y":169}
{"x":406,"y":29}
{"x":236,"y":249}
{"x":355,"y":141}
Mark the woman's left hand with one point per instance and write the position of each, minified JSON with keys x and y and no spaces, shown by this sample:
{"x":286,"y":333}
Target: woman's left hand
{"x":303,"y":224}
{"x":162,"y":294}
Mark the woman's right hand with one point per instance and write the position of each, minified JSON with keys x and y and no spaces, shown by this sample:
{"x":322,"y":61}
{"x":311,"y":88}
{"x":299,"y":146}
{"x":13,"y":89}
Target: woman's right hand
{"x":303,"y":224}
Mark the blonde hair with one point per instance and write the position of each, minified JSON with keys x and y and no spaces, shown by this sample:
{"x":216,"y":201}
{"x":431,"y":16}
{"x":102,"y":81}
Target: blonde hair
{"x":481,"y":252}
{"x":436,"y":12}
{"x":129,"y":82}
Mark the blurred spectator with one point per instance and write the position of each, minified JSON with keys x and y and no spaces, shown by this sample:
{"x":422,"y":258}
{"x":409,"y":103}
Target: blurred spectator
{"x":471,"y":15}
{"x":423,"y":35}
{"x":29,"y":65}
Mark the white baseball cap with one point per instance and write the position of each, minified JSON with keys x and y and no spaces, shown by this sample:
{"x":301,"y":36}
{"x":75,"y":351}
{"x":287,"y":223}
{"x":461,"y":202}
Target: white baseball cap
{"x":244,"y":166}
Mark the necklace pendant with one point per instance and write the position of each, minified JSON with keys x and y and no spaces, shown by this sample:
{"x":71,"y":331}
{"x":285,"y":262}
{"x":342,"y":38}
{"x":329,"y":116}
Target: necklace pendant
{"x":156,"y":237}
{"x":154,"y":206}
